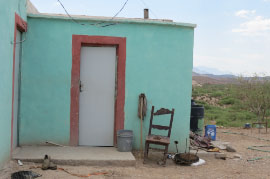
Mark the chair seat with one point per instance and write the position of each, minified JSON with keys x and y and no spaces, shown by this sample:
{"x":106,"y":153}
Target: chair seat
{"x":157,"y":139}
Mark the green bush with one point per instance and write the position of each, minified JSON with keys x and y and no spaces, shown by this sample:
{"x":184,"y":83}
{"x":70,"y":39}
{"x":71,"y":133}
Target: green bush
{"x":231,"y":112}
{"x":217,"y":94}
{"x":227,"y":101}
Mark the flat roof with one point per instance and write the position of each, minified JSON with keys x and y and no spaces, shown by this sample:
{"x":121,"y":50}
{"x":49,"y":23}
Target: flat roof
{"x":109,"y":19}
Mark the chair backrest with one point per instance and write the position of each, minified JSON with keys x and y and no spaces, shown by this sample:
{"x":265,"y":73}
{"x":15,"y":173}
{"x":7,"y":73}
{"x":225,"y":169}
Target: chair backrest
{"x":161,"y":111}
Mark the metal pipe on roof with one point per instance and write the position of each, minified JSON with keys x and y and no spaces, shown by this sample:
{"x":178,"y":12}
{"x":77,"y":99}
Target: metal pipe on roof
{"x":146,"y":13}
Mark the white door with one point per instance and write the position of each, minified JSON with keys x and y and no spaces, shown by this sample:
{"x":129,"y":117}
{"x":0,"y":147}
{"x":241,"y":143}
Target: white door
{"x":17,"y":77}
{"x":97,"y":96}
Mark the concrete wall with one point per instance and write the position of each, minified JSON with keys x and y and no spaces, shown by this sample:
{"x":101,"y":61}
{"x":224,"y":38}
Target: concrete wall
{"x":7,"y":23}
{"x":158,"y":63}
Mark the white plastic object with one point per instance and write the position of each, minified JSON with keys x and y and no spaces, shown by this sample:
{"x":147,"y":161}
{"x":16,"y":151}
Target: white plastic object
{"x":200,"y":162}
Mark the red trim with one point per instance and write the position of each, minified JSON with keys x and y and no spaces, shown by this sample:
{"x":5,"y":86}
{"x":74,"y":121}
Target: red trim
{"x":84,"y":40}
{"x":20,"y":25}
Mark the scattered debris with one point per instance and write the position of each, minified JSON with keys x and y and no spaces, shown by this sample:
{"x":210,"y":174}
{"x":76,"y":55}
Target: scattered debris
{"x":73,"y":174}
{"x":220,"y":127}
{"x":219,"y":144}
{"x":170,"y":156}
{"x":161,"y":163}
{"x":199,"y":141}
{"x":220,"y":156}
{"x":20,"y":163}
{"x":237,"y":156}
{"x":200,"y":162}
{"x":230,"y":149}
{"x":84,"y":176}
{"x":215,"y":149}
{"x":52,"y":143}
{"x":25,"y":175}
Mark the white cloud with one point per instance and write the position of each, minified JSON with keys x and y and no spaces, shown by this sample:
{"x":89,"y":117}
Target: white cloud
{"x":253,"y":27}
{"x":245,"y":13}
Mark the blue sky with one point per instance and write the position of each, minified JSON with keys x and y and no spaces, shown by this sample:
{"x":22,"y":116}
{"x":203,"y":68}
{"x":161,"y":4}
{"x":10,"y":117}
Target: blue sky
{"x":231,"y":35}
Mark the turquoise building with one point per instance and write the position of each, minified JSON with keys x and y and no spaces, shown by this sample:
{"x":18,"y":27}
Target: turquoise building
{"x":153,"y":57}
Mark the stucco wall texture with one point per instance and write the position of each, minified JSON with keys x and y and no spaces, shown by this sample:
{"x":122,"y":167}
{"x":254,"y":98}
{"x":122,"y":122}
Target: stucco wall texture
{"x":7,"y":24}
{"x":158,"y":63}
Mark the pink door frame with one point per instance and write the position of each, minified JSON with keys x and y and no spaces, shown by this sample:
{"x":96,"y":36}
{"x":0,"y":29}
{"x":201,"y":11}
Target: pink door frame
{"x":83,"y":40}
{"x":20,"y":25}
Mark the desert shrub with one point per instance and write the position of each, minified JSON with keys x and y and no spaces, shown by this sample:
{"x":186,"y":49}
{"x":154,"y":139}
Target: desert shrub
{"x":217,"y":94}
{"x":227,"y":101}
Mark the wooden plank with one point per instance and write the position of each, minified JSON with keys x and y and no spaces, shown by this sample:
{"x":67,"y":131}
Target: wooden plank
{"x":160,"y":127}
{"x":162,"y":111}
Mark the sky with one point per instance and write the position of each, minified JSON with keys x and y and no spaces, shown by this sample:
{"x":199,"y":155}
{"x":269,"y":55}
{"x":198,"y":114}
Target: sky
{"x":232,"y":36}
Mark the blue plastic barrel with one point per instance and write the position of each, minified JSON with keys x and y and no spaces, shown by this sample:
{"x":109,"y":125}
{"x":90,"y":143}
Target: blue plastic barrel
{"x":211,"y":131}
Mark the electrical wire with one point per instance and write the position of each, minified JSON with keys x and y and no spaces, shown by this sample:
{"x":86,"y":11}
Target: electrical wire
{"x":69,"y":14}
{"x":120,"y":10}
{"x":116,"y":15}
{"x":95,"y":24}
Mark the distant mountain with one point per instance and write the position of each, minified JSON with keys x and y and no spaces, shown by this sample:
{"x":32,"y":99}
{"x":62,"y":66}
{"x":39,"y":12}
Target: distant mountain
{"x":204,"y":75}
{"x":207,"y":70}
{"x":220,"y":76}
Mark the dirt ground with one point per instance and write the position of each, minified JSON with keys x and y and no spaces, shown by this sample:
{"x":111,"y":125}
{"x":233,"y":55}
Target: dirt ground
{"x":213,"y":168}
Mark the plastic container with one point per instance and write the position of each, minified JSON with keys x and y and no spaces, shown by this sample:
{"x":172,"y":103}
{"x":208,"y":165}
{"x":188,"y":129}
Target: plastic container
{"x":247,"y":126}
{"x":211,"y":131}
{"x":200,"y":127}
{"x":196,"y":118}
{"x":124,"y":140}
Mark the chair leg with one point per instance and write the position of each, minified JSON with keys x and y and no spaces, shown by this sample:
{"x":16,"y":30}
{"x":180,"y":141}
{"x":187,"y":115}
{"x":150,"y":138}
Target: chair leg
{"x":146,"y":149}
{"x":165,"y":155}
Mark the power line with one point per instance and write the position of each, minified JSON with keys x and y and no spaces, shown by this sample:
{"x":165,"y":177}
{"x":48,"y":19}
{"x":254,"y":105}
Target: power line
{"x":69,"y":14}
{"x":120,"y":10}
{"x":96,"y":24}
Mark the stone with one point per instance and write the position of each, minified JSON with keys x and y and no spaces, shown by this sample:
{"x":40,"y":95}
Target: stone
{"x":221,"y":156}
{"x":230,"y":149}
{"x":220,"y":144}
{"x":237,"y":156}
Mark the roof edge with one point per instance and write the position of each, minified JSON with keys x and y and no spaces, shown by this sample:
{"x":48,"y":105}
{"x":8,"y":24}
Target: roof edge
{"x":107,"y":19}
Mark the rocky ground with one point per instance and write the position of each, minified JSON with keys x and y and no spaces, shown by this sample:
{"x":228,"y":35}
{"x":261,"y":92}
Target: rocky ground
{"x":213,"y":168}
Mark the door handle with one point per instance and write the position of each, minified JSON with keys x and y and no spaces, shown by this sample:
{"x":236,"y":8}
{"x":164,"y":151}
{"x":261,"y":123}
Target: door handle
{"x":80,"y":86}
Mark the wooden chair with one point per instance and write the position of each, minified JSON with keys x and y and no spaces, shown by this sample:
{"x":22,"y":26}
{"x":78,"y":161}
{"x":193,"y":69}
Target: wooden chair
{"x":158,"y":139}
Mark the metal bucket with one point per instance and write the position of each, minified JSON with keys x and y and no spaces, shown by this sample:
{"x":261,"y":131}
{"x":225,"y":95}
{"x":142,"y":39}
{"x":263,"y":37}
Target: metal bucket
{"x":124,"y":140}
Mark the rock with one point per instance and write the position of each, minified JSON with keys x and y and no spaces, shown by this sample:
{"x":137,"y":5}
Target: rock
{"x":237,"y":156}
{"x":219,"y":144}
{"x":230,"y":149}
{"x":220,"y":156}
